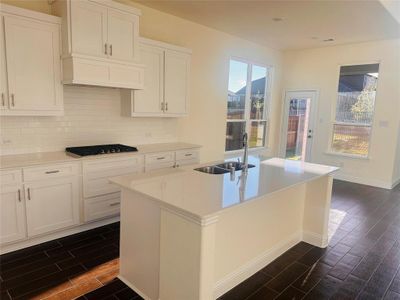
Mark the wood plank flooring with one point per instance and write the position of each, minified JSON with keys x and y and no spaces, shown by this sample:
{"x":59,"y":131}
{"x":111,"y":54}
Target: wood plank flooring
{"x":362,"y":260}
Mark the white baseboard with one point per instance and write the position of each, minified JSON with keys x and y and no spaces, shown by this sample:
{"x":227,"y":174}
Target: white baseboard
{"x":395,"y":183}
{"x":55,"y":235}
{"x":315,"y":239}
{"x":132,"y":287}
{"x":365,"y":181}
{"x":231,"y":280}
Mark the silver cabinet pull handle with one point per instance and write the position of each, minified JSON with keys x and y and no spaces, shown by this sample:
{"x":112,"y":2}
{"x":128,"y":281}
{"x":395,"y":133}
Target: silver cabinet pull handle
{"x":159,"y":158}
{"x":188,"y":154}
{"x":105,"y":49}
{"x":3,"y":101}
{"x":29,"y":194}
{"x":111,"y":50}
{"x":52,"y":172}
{"x":19,"y":195}
{"x":162,"y":106}
{"x":12,"y":100}
{"x":166,"y":106}
{"x":114,"y":204}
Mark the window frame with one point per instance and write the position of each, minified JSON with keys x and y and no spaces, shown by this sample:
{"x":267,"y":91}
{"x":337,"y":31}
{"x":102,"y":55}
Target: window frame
{"x":247,"y":108}
{"x":333,"y":122}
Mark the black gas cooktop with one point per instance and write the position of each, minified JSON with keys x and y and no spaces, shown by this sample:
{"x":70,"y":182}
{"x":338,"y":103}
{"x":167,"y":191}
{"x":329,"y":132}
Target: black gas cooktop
{"x":99,"y":149}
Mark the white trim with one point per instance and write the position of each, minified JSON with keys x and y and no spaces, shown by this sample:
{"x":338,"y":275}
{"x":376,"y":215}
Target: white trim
{"x":395,"y":183}
{"x":132,"y":287}
{"x":22,"y":12}
{"x":245,"y":271}
{"x":155,"y":43}
{"x":365,"y":181}
{"x":315,"y":239}
{"x":55,"y":235}
{"x":354,"y":156}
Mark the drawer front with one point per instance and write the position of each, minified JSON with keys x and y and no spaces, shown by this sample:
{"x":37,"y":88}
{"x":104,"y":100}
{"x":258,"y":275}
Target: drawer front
{"x":187,"y":154}
{"x":163,"y":165}
{"x":187,"y":162}
{"x":50,"y":171}
{"x":9,"y":177}
{"x":160,"y":158}
{"x":102,"y":207}
{"x":94,"y":169}
{"x":96,"y":174}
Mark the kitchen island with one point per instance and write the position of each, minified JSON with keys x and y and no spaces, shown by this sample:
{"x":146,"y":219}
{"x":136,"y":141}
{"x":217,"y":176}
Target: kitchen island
{"x":191,"y":235}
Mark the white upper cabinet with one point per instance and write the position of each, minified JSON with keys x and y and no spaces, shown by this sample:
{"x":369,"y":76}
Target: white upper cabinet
{"x":3,"y":70}
{"x":176,"y":82}
{"x":30,"y":63}
{"x":100,"y":43}
{"x":123,"y":34}
{"x":165,"y":92}
{"x":89,"y":28}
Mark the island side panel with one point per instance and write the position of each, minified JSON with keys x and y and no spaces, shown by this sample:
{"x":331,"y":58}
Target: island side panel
{"x":187,"y":253}
{"x":140,"y":244}
{"x":316,"y":211}
{"x":251,"y":236}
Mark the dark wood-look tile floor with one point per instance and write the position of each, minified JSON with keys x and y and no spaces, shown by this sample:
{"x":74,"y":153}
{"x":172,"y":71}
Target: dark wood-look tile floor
{"x":362,"y":260}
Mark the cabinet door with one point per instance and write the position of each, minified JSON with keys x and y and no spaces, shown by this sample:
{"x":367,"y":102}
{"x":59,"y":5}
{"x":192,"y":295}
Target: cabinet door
{"x":176,"y":82}
{"x":3,"y":70}
{"x":33,"y":64}
{"x":123,"y":33}
{"x":12,"y":214}
{"x":89,"y":28}
{"x":52,"y":205}
{"x":149,"y":100}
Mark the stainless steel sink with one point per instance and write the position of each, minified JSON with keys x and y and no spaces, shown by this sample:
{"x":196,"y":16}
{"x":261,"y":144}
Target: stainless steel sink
{"x":223,"y":168}
{"x":233,"y":164}
{"x":212,"y":170}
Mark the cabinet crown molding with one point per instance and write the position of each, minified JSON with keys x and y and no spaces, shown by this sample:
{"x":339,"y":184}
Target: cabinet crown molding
{"x":22,"y":12}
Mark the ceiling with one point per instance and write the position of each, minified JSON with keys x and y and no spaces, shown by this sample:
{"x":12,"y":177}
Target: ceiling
{"x":289,"y":24}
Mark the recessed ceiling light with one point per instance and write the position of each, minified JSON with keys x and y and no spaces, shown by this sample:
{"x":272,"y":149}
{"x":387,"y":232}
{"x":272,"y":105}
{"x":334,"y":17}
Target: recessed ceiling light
{"x":328,"y":40}
{"x":277,"y":19}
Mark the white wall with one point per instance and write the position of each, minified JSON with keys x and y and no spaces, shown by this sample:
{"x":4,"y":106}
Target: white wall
{"x":92,"y":116}
{"x":319,"y":69}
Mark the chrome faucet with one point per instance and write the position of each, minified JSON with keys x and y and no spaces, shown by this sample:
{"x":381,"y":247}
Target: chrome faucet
{"x":245,"y":154}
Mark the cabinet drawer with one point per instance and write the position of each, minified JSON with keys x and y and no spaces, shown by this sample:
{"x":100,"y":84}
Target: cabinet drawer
{"x":94,"y":169}
{"x":96,"y":174}
{"x":102,"y":207}
{"x":163,"y":165}
{"x":187,"y":162}
{"x":187,"y":154}
{"x":10,"y":177}
{"x":50,"y":171}
{"x":160,"y":158}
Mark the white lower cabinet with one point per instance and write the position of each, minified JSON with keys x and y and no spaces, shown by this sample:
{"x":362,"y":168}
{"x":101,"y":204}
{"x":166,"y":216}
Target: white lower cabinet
{"x":52,"y":204}
{"x":12,"y":214}
{"x":102,"y":206}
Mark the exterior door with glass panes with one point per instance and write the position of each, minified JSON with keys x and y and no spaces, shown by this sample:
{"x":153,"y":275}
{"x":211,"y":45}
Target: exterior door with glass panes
{"x":247,"y":101}
{"x":298,"y":125}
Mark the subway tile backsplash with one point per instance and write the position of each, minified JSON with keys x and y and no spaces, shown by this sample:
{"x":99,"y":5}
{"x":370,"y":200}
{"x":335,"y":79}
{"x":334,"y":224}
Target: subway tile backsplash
{"x":92,"y":116}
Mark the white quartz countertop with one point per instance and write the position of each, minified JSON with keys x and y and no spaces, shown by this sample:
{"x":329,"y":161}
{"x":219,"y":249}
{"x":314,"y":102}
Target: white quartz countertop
{"x":201,"y":195}
{"x":31,"y":159}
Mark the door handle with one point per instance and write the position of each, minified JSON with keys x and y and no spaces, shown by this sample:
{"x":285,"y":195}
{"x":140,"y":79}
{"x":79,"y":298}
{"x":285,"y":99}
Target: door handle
{"x":3,"y":101}
{"x":12,"y":100}
{"x":105,"y":49}
{"x":29,"y":194}
{"x":166,"y":106}
{"x":114,"y":204}
{"x":52,"y":172}
{"x":111,"y":49}
{"x":19,"y":195}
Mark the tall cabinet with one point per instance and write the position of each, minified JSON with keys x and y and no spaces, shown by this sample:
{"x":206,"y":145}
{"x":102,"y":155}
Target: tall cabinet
{"x":30,"y":63}
{"x":166,"y":88}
